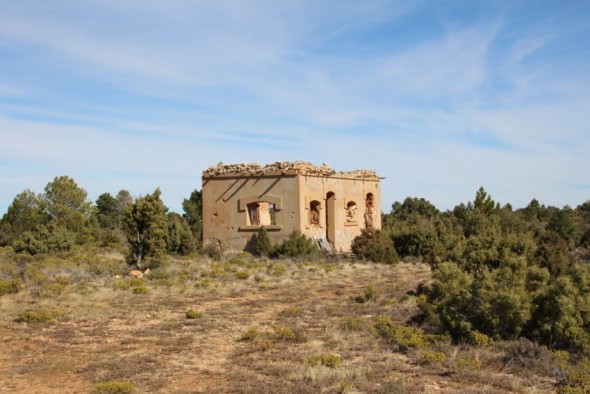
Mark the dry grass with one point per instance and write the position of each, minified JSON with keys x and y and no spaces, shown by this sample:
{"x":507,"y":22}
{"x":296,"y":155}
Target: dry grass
{"x":262,"y":326}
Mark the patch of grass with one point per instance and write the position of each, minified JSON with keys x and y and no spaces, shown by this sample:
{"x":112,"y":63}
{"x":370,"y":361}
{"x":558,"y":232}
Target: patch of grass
{"x":10,"y":286}
{"x":431,"y":357}
{"x":192,"y":314}
{"x":327,"y":360}
{"x":52,"y":289}
{"x":402,"y":337}
{"x":351,"y":323}
{"x":288,"y":334}
{"x":277,"y":269}
{"x":468,"y":364}
{"x":129,"y":283}
{"x":242,"y":275}
{"x":140,"y":290}
{"x":250,"y":334}
{"x":113,"y":387}
{"x":480,"y":339}
{"x":40,"y":316}
{"x":370,"y":294}
{"x":578,"y":379}
{"x":203,"y":283}
{"x":291,"y":311}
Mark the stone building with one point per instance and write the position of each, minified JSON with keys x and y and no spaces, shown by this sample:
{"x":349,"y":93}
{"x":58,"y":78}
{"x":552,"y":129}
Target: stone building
{"x":328,"y":206}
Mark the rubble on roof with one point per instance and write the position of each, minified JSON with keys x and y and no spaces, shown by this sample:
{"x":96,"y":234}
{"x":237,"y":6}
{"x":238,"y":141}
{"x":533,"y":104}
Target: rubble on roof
{"x":300,"y":167}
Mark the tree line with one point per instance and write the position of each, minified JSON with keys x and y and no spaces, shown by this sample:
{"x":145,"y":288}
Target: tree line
{"x":500,"y":272}
{"x":62,"y":217}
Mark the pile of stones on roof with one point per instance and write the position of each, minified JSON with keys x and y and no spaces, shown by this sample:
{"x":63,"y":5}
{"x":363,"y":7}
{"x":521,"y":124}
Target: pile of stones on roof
{"x":301,"y":167}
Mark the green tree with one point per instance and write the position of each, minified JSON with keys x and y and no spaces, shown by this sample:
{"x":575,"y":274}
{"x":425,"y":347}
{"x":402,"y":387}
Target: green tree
{"x":375,"y":246}
{"x":180,"y":238}
{"x":124,"y":201}
{"x":146,"y":228}
{"x":24,"y":214}
{"x":562,"y":222}
{"x":449,"y":300}
{"x":107,"y":211}
{"x":262,"y":243}
{"x":193,"y":214}
{"x":66,"y":205}
{"x":296,"y":244}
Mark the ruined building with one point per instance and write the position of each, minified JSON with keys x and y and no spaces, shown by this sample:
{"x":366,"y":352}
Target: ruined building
{"x":330,"y":207}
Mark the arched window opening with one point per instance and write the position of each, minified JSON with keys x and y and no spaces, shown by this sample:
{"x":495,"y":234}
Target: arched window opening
{"x":314,"y":213}
{"x":351,"y":209}
{"x":370,"y":211}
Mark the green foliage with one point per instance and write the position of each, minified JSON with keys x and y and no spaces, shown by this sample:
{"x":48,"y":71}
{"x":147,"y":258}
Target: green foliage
{"x":180,"y":239}
{"x":40,"y":316}
{"x":140,"y":290}
{"x":288,"y":334}
{"x":370,"y":294}
{"x":25,"y":214}
{"x":402,"y":337}
{"x":352,"y":323}
{"x":578,"y":379}
{"x":193,"y":214}
{"x":107,"y":211}
{"x":250,"y":334}
{"x":10,"y":286}
{"x":431,"y":357}
{"x":373,"y":245}
{"x":146,"y":228}
{"x":262,"y":243}
{"x":449,"y":300}
{"x":66,"y":205}
{"x":327,"y":360}
{"x":130,"y":283}
{"x":113,"y":387}
{"x":296,"y":245}
{"x":480,"y":339}
{"x":242,"y":275}
{"x":45,"y":239}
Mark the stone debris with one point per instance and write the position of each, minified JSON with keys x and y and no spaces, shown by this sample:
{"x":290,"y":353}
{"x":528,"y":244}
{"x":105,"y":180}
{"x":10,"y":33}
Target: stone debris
{"x":300,"y":167}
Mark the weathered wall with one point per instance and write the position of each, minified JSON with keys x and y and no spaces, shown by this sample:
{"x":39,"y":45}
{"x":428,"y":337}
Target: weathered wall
{"x":239,"y":198}
{"x":349,"y":209}
{"x":225,"y":207}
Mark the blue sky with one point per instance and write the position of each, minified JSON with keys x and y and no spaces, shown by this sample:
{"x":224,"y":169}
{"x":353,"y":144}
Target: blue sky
{"x":439,"y":97}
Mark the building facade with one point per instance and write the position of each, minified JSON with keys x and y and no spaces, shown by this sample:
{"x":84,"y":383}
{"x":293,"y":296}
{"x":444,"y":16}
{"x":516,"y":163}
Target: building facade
{"x":330,"y":207}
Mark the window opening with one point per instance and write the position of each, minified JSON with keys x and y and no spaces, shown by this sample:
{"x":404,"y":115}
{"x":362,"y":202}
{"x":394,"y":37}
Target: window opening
{"x":370,"y":211}
{"x":314,"y":213}
{"x":351,"y":209}
{"x":261,"y":213}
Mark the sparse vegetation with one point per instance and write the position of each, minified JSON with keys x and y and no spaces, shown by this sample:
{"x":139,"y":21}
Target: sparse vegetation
{"x":192,"y":314}
{"x":113,"y":387}
{"x":39,"y":316}
{"x":501,"y":304}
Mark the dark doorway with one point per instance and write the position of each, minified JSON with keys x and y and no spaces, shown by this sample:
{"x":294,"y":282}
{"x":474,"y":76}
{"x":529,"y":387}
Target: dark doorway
{"x":330,"y":219}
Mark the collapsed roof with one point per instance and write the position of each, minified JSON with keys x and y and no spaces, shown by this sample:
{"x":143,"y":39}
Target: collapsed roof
{"x":284,"y":167}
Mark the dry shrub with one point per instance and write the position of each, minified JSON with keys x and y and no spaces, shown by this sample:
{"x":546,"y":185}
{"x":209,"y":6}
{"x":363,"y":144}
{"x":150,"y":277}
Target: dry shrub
{"x":327,"y":360}
{"x":191,"y":314}
{"x":40,"y":316}
{"x":113,"y":387}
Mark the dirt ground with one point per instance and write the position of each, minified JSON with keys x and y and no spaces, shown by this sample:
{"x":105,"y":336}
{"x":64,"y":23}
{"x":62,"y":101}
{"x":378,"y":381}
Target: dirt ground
{"x":144,"y":337}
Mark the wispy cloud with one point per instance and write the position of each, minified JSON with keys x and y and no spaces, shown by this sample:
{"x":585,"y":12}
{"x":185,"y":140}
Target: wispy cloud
{"x":439,"y":98}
